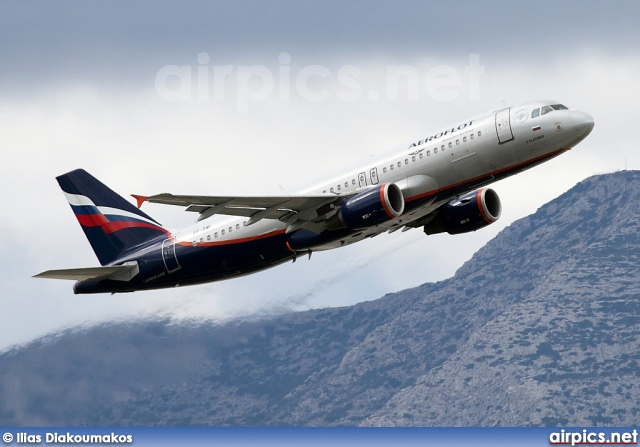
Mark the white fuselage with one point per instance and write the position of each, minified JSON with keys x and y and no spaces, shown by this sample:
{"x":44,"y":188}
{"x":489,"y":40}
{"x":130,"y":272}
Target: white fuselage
{"x":466,"y":155}
{"x":435,"y":182}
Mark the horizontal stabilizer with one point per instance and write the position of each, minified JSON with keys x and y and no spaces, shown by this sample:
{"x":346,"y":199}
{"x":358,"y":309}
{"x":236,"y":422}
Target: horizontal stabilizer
{"x":116,"y":272}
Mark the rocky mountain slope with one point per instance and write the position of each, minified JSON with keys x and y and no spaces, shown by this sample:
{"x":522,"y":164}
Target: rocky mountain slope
{"x":540,"y":327}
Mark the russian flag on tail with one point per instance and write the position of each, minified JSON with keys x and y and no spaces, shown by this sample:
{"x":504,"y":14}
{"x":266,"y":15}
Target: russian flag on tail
{"x":112,"y":224}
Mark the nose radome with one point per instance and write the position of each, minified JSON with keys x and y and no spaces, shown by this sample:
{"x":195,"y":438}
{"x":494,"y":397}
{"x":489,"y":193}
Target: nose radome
{"x":582,"y":121}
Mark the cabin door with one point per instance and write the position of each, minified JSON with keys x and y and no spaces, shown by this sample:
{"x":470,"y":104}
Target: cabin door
{"x":503,"y":126}
{"x":169,"y":255}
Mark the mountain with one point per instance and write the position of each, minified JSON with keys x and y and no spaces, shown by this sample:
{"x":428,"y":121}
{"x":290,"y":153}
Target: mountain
{"x":540,"y":327}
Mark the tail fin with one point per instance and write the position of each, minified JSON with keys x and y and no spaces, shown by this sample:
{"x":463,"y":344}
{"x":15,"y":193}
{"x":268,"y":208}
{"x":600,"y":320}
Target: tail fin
{"x":111,"y":223}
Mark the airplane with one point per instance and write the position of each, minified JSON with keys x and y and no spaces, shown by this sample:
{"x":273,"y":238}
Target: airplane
{"x":437,"y":183}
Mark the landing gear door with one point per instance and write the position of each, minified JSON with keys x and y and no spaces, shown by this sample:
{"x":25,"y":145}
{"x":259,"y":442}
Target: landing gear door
{"x":169,"y":255}
{"x":503,"y":126}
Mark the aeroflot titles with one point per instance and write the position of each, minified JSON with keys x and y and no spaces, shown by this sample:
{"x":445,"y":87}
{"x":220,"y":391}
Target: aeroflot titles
{"x":441,"y":134}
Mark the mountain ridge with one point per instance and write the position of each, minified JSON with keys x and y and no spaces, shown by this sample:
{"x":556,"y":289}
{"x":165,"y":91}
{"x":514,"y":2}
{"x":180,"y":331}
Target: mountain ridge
{"x":540,"y":327}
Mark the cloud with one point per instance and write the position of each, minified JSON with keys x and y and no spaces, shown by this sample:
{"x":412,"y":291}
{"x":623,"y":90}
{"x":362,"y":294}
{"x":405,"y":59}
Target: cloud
{"x":67,"y":42}
{"x":81,"y":93}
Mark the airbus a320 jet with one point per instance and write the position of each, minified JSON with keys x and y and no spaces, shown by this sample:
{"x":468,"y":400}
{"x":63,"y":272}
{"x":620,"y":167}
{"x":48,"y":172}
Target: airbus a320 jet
{"x":437,"y":183}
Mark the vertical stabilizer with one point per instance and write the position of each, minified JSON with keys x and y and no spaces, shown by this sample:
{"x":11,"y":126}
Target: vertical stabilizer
{"x":110,"y":222}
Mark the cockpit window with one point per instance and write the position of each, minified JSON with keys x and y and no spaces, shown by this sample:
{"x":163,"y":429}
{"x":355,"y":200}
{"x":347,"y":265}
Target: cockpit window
{"x":546,"y":109}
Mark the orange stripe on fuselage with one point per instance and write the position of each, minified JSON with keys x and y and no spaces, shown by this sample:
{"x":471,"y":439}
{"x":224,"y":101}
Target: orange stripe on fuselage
{"x":230,"y":242}
{"x":532,"y":160}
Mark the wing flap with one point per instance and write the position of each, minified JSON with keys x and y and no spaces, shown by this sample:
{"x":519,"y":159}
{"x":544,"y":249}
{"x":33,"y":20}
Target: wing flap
{"x":116,"y":272}
{"x":263,"y":202}
{"x":254,"y":207}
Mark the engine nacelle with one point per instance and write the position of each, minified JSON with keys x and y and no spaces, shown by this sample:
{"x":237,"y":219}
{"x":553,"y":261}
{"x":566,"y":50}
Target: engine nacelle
{"x":467,"y":213}
{"x":372,"y":207}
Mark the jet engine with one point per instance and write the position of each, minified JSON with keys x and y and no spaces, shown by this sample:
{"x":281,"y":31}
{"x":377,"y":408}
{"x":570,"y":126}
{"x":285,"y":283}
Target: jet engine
{"x":467,"y":213}
{"x":371,"y":207}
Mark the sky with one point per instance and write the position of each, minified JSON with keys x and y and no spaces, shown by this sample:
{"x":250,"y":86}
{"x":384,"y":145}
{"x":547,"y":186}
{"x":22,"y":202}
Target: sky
{"x":232,"y":98}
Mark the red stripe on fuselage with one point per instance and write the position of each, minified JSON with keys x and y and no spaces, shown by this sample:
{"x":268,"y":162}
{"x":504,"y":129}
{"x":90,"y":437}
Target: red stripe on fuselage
{"x":499,"y":171}
{"x":231,"y":241}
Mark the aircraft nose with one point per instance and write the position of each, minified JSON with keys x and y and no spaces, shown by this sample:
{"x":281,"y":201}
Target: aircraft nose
{"x":583,"y":122}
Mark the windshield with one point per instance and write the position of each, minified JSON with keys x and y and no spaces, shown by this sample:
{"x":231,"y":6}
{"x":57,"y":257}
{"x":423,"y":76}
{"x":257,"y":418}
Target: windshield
{"x":546,"y":109}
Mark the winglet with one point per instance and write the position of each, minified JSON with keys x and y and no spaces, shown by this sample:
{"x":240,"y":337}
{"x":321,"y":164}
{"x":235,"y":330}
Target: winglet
{"x":140,"y":199}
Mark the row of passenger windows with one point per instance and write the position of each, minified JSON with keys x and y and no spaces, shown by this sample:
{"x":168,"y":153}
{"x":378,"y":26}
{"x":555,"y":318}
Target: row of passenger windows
{"x":353,"y":181}
{"x":413,"y":159}
{"x":222,"y":232}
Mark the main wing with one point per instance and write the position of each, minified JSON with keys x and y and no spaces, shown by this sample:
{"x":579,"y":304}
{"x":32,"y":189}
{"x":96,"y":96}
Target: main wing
{"x":293,"y":210}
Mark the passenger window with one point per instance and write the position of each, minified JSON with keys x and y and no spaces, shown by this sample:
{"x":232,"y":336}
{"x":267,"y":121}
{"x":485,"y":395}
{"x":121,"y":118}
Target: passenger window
{"x":208,"y":237}
{"x":406,"y":161}
{"x":435,"y":150}
{"x":391,"y":167}
{"x":215,"y":234}
{"x":545,"y":110}
{"x":237,"y":226}
{"x":413,"y":158}
{"x":201,"y":239}
{"x":535,"y":113}
{"x":471,"y":136}
{"x":223,"y":232}
{"x":353,"y":181}
{"x":339,"y":188}
{"x":384,"y":169}
{"x":457,"y":142}
{"x":450,"y":144}
{"x":442,"y":147}
{"x":331,"y":189}
{"x":421,"y":155}
{"x":479,"y":133}
{"x":464,"y":139}
{"x":230,"y":229}
{"x":399,"y":164}
{"x":429,"y":153}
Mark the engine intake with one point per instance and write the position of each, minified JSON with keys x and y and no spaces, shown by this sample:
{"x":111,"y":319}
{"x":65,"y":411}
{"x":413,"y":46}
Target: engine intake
{"x":372,"y":207}
{"x":467,"y":213}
